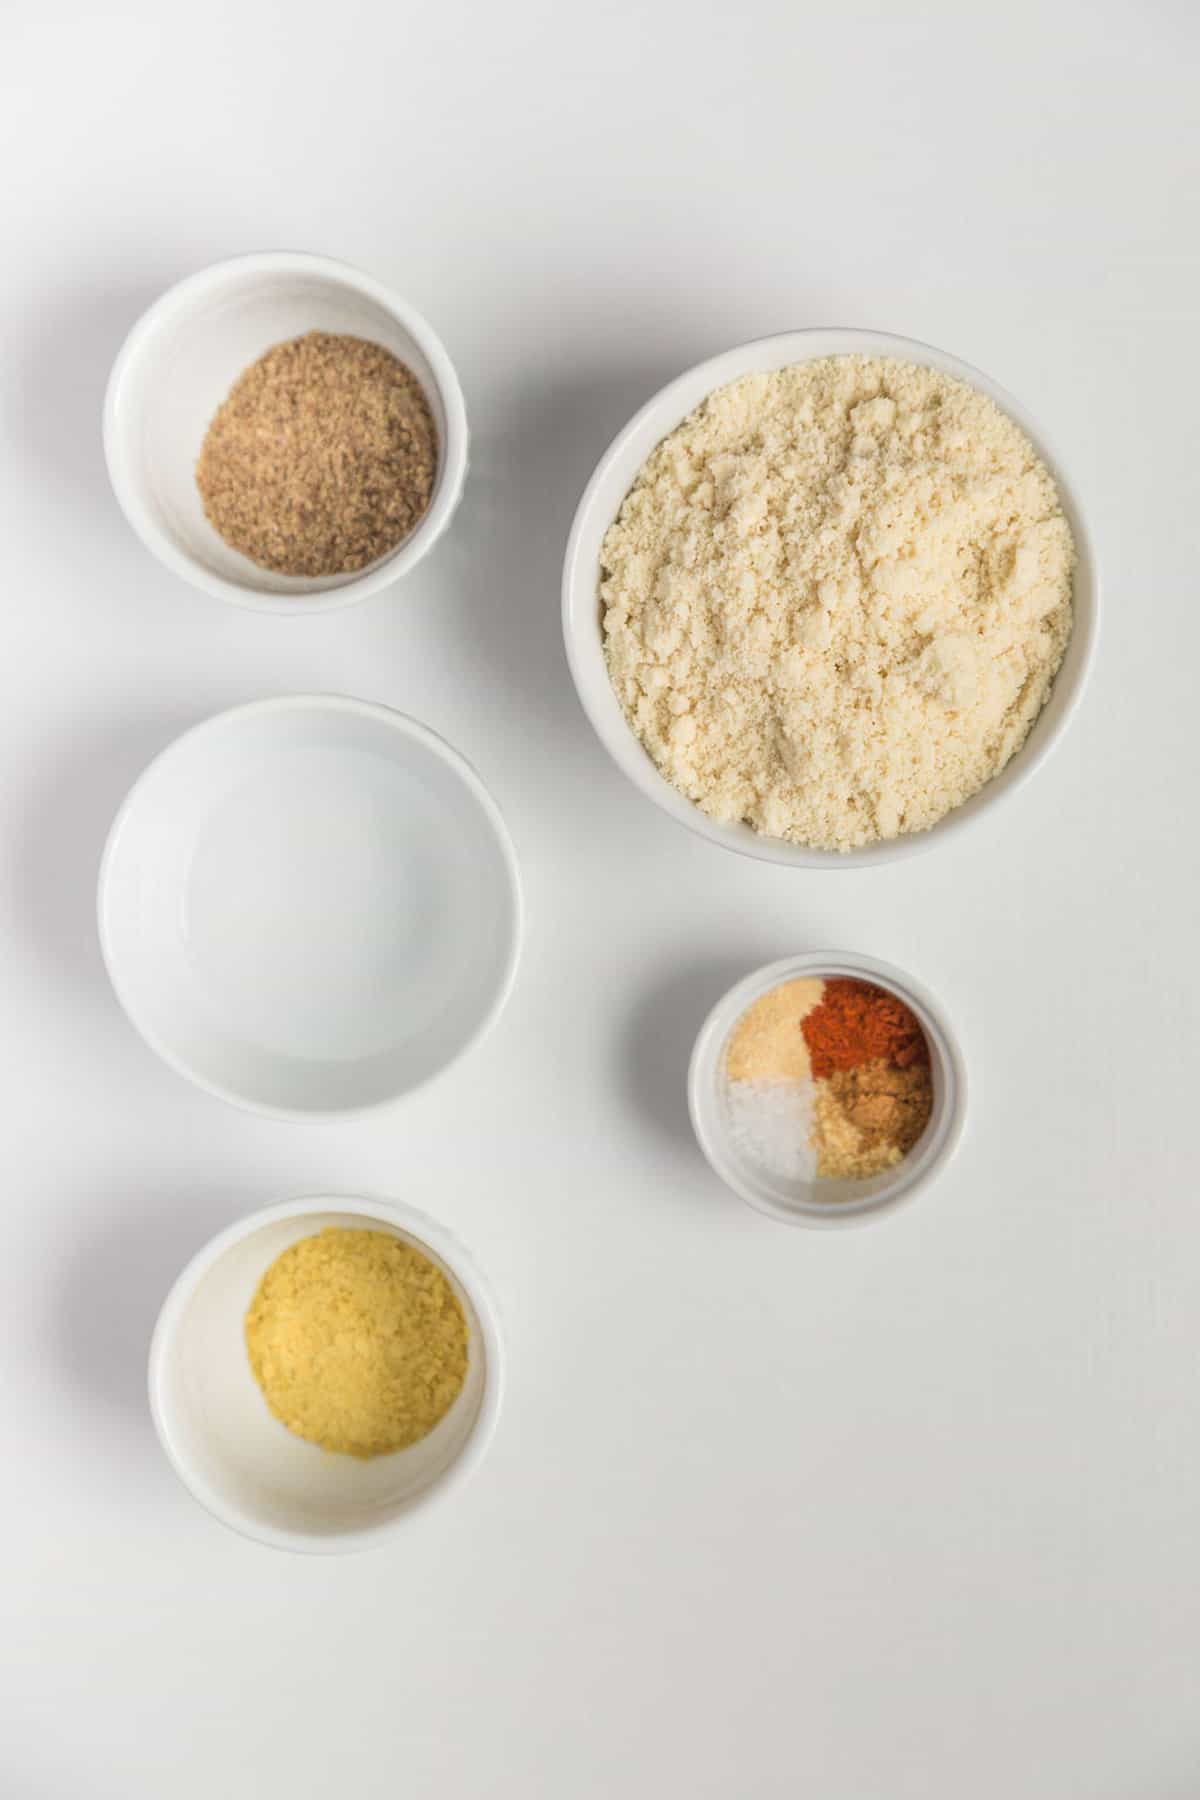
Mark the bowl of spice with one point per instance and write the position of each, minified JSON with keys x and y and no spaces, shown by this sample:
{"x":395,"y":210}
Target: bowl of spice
{"x":827,"y":1088}
{"x":322,"y":1368}
{"x":285,"y":432}
{"x":828,"y":597}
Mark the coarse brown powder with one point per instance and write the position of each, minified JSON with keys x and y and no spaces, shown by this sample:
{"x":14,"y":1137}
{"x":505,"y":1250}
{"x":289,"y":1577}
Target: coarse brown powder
{"x":322,"y":458}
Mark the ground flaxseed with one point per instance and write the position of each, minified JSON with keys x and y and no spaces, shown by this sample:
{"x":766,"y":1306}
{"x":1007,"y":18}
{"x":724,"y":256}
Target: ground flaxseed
{"x":322,"y":458}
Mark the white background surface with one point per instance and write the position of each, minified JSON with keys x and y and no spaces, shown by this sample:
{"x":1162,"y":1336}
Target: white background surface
{"x":907,"y":1513}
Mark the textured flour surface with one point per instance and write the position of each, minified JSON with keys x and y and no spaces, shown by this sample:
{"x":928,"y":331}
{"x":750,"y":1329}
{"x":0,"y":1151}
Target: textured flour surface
{"x":836,"y":597}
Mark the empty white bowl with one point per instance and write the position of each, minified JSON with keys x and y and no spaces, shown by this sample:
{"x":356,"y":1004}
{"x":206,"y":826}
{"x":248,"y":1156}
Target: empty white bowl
{"x":178,"y":364}
{"x":236,"y":1458}
{"x":582,"y":621}
{"x":310,"y":905}
{"x":825,"y":1202}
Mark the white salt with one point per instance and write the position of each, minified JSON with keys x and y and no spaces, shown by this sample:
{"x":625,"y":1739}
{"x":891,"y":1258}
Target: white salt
{"x":770,"y":1123}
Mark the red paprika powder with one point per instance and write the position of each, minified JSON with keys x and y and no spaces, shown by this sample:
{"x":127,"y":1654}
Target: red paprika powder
{"x":855,"y":1022}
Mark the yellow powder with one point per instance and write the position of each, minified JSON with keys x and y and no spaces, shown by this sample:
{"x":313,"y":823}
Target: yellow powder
{"x":357,"y":1341}
{"x":767,"y":1043}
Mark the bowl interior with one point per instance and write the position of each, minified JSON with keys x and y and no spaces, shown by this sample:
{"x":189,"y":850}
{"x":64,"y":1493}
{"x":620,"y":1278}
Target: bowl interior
{"x":822,"y":1202}
{"x":238,"y":1459}
{"x":180,"y":367}
{"x":308,"y":905}
{"x":583,"y":622}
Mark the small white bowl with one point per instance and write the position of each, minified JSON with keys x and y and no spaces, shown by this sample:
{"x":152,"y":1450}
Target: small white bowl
{"x":310,"y":905}
{"x":229,"y":1451}
{"x":825,"y":1202}
{"x":584,"y":632}
{"x":178,"y":364}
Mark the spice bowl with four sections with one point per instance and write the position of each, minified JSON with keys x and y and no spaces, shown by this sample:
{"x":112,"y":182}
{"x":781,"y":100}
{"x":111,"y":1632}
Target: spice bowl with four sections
{"x":246,"y":1467}
{"x":310,"y":905}
{"x":760,"y":1150}
{"x":176,"y":368}
{"x":583,"y":626}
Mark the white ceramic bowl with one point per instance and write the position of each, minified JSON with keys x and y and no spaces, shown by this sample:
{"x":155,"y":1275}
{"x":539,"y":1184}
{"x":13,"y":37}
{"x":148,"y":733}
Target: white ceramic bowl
{"x":310,"y":905}
{"x":180,"y":361}
{"x":602,"y":499}
{"x":825,"y":1203}
{"x":237,"y":1460}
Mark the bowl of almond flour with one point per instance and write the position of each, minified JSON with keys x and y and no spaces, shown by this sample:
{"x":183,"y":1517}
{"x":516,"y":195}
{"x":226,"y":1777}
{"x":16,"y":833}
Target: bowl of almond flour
{"x":828,"y":597}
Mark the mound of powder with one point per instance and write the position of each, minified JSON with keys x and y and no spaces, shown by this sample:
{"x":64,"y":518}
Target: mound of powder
{"x":321,"y":459}
{"x":836,"y":597}
{"x":357,"y":1341}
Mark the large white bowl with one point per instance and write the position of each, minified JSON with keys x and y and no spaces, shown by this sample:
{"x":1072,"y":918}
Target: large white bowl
{"x":310,"y":905}
{"x":180,"y":361}
{"x":250,"y":1471}
{"x":583,"y":629}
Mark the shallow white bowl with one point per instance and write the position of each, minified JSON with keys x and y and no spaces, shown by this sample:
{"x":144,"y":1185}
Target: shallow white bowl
{"x":180,"y":361}
{"x":602,"y":500}
{"x":310,"y":905}
{"x":250,"y":1471}
{"x":824,"y":1203}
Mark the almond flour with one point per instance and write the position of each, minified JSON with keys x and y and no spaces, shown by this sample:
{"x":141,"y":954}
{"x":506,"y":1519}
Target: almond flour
{"x":835,"y":599}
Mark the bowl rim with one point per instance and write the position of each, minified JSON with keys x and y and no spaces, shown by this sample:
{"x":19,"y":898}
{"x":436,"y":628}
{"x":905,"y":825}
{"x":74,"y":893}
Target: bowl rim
{"x":428,"y":529}
{"x":583,"y":631}
{"x":406,"y":726}
{"x":447,"y":1249}
{"x":729,"y":1008}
